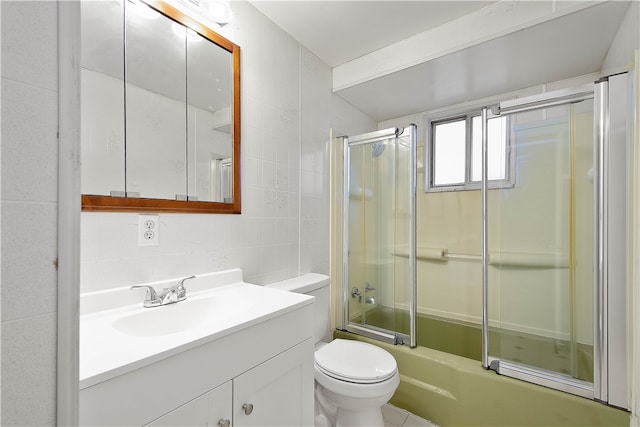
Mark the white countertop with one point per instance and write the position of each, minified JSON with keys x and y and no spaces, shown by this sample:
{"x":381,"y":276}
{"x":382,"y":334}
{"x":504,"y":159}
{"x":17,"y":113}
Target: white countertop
{"x":217,"y":304}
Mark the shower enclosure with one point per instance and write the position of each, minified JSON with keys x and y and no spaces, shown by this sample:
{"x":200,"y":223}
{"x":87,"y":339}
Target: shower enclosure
{"x":379,"y":234}
{"x":524,"y":269}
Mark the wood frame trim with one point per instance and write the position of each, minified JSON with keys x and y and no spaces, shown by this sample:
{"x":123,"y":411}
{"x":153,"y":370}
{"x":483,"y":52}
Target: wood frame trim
{"x":128,"y":204}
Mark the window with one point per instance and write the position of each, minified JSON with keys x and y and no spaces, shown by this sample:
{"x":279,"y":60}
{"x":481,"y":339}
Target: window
{"x":454,"y":153}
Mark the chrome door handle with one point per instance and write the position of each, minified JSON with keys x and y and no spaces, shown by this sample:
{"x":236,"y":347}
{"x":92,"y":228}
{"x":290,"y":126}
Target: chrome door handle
{"x":247,"y":408}
{"x":224,"y":423}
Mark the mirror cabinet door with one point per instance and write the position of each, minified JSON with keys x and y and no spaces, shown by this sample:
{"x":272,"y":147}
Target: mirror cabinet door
{"x":210,"y":119}
{"x":160,"y":111}
{"x":102,"y":97}
{"x":155,"y":104}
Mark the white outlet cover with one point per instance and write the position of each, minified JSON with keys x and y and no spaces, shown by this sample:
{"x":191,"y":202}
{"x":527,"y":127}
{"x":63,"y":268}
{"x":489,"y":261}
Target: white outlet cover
{"x":148,"y":230}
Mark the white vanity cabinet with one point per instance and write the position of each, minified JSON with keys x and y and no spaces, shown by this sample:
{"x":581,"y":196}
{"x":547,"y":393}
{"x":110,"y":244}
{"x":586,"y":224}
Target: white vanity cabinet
{"x":211,"y":409}
{"x":271,"y":394}
{"x":255,"y":372}
{"x":274,"y":393}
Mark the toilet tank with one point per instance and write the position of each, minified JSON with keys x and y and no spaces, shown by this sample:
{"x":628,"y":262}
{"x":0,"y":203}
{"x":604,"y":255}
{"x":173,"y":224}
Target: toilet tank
{"x":317,"y":285}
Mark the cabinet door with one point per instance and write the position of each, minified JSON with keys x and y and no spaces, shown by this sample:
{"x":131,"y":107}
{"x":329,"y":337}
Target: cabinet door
{"x":278,"y":392}
{"x":211,"y":409}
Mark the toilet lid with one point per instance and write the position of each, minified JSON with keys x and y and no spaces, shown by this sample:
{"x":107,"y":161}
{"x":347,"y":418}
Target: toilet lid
{"x":355,"y":361}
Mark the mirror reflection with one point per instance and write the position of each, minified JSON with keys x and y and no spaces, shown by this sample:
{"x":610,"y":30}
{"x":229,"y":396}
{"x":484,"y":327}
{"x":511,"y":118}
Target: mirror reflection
{"x":155,"y":103}
{"x":210,"y":118}
{"x":159,"y":108}
{"x":102,"y":97}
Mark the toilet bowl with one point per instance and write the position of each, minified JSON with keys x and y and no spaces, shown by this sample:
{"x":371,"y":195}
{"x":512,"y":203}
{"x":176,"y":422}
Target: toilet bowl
{"x":353,"y":379}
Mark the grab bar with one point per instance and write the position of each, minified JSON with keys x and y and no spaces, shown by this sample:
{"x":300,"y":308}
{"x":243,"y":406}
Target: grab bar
{"x":496,"y":258}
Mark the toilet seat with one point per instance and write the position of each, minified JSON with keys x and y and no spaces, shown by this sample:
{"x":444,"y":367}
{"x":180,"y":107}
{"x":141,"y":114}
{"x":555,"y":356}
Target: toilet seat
{"x":355,"y":362}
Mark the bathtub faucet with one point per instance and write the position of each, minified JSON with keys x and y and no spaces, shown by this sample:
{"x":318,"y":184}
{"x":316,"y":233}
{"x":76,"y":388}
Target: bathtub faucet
{"x":369,"y":288}
{"x":356,"y":293}
{"x":169,"y":295}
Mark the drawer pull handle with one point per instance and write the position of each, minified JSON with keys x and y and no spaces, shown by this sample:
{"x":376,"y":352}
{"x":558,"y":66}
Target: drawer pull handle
{"x":224,"y":423}
{"x":247,"y":408}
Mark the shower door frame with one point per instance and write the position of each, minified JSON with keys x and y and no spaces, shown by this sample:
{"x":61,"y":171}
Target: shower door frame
{"x":392,"y":337}
{"x":610,"y":379}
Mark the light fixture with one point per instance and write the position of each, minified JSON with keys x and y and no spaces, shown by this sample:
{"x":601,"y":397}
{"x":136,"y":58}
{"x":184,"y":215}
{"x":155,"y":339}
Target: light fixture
{"x":218,"y":11}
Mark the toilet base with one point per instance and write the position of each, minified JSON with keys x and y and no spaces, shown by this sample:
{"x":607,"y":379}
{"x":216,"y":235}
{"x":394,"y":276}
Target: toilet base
{"x":352,"y":411}
{"x":370,"y":418}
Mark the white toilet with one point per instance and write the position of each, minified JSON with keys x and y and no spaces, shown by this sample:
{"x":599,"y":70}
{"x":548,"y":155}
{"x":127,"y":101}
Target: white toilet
{"x":353,"y":379}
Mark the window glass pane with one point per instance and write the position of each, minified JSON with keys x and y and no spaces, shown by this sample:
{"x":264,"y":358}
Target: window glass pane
{"x":497,"y":149}
{"x":449,"y":153}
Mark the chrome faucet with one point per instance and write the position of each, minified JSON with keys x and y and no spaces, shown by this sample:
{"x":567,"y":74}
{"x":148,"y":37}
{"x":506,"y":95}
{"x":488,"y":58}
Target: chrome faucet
{"x":356,"y":293}
{"x":169,"y":295}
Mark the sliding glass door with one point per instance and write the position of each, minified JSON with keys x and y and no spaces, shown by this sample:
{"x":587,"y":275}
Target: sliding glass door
{"x":379,"y":237}
{"x":552,"y":250}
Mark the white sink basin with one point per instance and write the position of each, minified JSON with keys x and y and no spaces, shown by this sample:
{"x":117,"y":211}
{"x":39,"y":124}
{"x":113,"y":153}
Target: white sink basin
{"x":174,"y":318}
{"x":115,"y":339}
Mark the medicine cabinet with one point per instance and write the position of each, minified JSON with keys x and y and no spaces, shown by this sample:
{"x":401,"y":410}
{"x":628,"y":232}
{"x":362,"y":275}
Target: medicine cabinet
{"x":160,"y":110}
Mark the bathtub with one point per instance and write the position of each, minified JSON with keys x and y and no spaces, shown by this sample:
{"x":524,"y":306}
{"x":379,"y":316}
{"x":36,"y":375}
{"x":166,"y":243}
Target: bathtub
{"x":465,"y":339}
{"x":451,"y":390}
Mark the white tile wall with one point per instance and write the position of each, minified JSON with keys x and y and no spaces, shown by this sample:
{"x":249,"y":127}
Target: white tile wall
{"x":26,"y":110}
{"x":287,"y":111}
{"x":29,"y":211}
{"x":28,"y":371}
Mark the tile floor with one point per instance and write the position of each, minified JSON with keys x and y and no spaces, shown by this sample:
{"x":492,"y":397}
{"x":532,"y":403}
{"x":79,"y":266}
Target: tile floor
{"x":396,"y":417}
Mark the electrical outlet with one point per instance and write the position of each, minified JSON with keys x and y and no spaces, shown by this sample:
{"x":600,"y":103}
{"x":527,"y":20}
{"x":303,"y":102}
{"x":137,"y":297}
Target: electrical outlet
{"x":148,"y":230}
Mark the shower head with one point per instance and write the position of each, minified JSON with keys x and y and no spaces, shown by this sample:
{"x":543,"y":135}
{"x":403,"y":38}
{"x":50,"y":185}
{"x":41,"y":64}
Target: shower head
{"x":377,"y":149}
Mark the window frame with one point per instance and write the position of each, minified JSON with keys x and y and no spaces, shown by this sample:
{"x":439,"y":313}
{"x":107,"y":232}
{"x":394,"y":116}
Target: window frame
{"x":429,"y":156}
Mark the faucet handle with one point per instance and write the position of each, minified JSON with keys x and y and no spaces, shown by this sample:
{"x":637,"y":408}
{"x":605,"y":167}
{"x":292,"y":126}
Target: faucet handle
{"x":179,"y":289}
{"x":181,"y":282}
{"x":151,"y":293}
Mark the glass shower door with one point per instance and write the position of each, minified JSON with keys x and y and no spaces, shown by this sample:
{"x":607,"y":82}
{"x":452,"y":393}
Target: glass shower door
{"x":540,"y":250}
{"x":379,"y":237}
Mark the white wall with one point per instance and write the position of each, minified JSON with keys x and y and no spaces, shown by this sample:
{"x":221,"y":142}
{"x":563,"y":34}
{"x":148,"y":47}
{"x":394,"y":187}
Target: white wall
{"x":620,"y":55}
{"x":29,"y":212}
{"x":287,"y":111}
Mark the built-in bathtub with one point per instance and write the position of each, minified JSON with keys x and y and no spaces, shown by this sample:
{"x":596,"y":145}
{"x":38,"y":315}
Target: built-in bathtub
{"x":451,"y":390}
{"x":465,"y":339}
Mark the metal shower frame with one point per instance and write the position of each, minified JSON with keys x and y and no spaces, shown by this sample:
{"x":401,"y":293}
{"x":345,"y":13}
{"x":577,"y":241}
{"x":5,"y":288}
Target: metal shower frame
{"x":610,"y":383}
{"x":392,"y":337}
{"x":612,"y":106}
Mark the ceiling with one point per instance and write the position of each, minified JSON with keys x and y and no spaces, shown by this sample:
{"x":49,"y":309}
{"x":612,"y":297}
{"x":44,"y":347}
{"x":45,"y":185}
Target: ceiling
{"x":560,"y":47}
{"x":339,"y":31}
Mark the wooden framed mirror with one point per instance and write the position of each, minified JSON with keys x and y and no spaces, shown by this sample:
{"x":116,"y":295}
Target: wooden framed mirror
{"x":160,"y":111}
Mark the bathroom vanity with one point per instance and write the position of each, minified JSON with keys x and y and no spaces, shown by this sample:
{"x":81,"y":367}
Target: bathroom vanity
{"x":232,"y":353}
